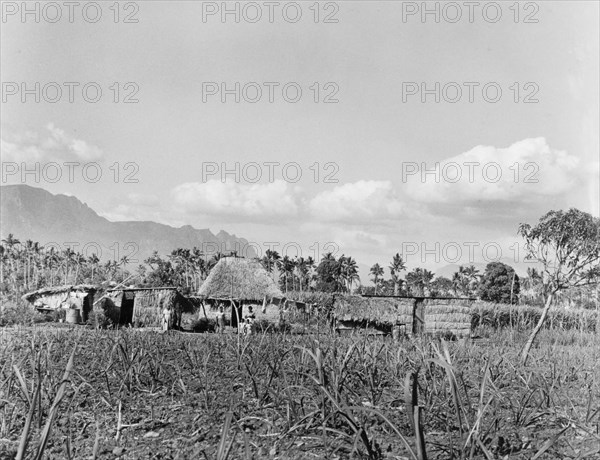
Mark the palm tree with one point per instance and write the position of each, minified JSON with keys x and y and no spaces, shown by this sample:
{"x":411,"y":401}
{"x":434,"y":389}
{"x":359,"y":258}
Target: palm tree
{"x":419,"y":280}
{"x":79,"y":260}
{"x":301,"y":270}
{"x":111,"y":268}
{"x":286,"y":266}
{"x":52,"y":260}
{"x":376,"y":271}
{"x":93,"y":260}
{"x":3,"y":258}
{"x":67,"y":256}
{"x":214,"y":260}
{"x":351,"y":273}
{"x":311,"y":270}
{"x":473,"y":277}
{"x":343,"y":266}
{"x":199,"y":266}
{"x":270,"y":260}
{"x":123,"y":262}
{"x":396,"y":267}
{"x":12,"y":253}
{"x":141,"y":273}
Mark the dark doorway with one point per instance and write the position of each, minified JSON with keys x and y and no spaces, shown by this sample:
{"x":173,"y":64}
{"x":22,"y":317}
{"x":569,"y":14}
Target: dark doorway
{"x":127,"y":308}
{"x":236,"y":314}
{"x":419,"y":317}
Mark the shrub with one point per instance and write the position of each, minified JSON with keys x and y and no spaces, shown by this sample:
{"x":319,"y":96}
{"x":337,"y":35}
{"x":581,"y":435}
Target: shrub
{"x":497,"y":283}
{"x":13,"y":313}
{"x":57,"y":315}
{"x":99,"y":320}
{"x":498,"y":316}
{"x":204,"y":325}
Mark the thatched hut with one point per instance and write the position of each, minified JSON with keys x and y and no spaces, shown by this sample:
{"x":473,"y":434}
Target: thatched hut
{"x":79,"y":296}
{"x":144,"y":306}
{"x":350,"y":312}
{"x":414,"y":315}
{"x":447,"y":315}
{"x":235,"y":283}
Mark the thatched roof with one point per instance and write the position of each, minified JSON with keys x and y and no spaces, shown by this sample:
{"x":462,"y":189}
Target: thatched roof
{"x":373,"y":309}
{"x":52,"y":290}
{"x":239,"y":279}
{"x":160,"y":288}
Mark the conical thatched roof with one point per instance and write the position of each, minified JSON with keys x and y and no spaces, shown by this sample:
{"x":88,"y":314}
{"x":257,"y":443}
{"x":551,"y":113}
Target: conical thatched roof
{"x":239,"y":279}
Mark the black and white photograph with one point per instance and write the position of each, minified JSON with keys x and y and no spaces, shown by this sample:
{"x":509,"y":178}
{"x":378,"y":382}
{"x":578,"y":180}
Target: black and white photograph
{"x":293,"y":230}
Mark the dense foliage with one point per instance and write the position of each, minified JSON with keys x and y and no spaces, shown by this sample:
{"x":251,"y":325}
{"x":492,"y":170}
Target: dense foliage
{"x":499,"y":284}
{"x":26,"y":266}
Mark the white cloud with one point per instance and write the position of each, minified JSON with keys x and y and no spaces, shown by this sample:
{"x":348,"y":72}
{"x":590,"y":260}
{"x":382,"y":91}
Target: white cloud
{"x":53,"y":145}
{"x":268,"y":201}
{"x":359,"y":202}
{"x":528,"y":170}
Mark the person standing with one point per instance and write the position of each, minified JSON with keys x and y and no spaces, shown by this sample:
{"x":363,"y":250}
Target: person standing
{"x":251,"y":316}
{"x":248,"y":321}
{"x":221,"y":319}
{"x":166,"y":319}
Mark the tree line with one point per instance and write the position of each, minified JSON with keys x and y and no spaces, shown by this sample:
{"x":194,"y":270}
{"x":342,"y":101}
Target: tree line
{"x":27,"y":266}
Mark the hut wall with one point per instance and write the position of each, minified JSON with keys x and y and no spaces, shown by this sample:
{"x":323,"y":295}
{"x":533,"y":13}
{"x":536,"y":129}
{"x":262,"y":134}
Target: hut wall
{"x":447,"y":316}
{"x":272,"y":313}
{"x":51,"y":301}
{"x":211,"y":308}
{"x":80,"y":299}
{"x":376,"y":310}
{"x":210,"y":311}
{"x":149,"y":304}
{"x":405,"y":312}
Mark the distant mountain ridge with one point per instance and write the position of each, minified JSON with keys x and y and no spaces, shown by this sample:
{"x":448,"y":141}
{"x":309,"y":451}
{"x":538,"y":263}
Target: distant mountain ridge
{"x":36,"y":214}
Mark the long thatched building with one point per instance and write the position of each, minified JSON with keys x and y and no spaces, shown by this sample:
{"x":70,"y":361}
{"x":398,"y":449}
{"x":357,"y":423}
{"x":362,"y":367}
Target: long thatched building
{"x":144,"y":306}
{"x":235,"y":283}
{"x":413,"y":315}
{"x":79,"y":296}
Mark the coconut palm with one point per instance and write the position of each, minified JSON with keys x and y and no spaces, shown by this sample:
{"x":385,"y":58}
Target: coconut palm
{"x":93,"y":261}
{"x":352,"y":273}
{"x":396,"y":267}
{"x":123,"y":263}
{"x":419,"y":280}
{"x":270,"y":259}
{"x":377,"y":272}
{"x":286,"y":267}
{"x":301,"y":270}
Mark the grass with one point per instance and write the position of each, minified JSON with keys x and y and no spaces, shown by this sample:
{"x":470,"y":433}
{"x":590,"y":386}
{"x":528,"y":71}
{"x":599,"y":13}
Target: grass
{"x":498,"y":316}
{"x":140,"y":394}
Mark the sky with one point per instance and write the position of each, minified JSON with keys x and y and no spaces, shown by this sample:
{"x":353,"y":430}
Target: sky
{"x":364,"y":128}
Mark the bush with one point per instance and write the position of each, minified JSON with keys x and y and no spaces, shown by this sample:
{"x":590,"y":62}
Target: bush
{"x":99,"y":320}
{"x":263,"y":325}
{"x":204,"y":325}
{"x":57,"y":315}
{"x":13,"y":313}
{"x":499,"y":283}
{"x":498,"y":316}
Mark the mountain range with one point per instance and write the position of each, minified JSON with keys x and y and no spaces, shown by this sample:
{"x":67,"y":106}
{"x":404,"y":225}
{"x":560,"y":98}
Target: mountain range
{"x":60,"y":220}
